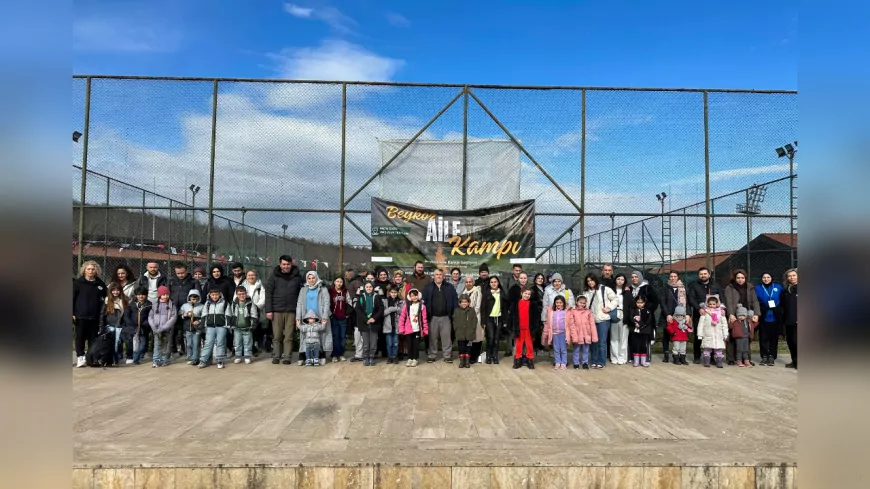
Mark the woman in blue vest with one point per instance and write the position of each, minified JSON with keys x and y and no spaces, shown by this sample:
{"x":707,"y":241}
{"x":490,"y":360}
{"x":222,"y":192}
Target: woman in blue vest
{"x":770,"y":316}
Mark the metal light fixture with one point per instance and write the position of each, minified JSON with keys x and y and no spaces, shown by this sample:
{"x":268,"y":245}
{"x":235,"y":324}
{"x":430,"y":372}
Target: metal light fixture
{"x":787,"y":150}
{"x":76,"y":136}
{"x":661,"y":197}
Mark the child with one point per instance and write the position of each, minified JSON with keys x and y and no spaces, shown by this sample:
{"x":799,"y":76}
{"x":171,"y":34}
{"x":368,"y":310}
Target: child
{"x":243,"y":316}
{"x":310,"y":330}
{"x":392,"y":306}
{"x":643,"y":322}
{"x":191,"y":314}
{"x":465,"y":324}
{"x":679,"y":329}
{"x":162,"y":319}
{"x":554,"y":332}
{"x":581,"y":331}
{"x":413,"y":324}
{"x":369,"y":314}
{"x":215,"y":318}
{"x":113,"y":316}
{"x":135,"y":324}
{"x":742,"y":330}
{"x":522,"y":330}
{"x":713,"y":332}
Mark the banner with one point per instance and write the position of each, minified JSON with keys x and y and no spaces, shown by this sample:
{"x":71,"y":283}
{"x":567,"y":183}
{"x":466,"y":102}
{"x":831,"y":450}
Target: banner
{"x":497,"y":236}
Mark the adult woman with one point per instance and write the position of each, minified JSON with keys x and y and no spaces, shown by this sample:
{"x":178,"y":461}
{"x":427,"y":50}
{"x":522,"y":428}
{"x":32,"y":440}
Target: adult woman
{"x":493,"y":310}
{"x":789,"y":314}
{"x":738,"y":292}
{"x":474,"y":294}
{"x":675,"y":295}
{"x":601,"y":300}
{"x":537,"y":309}
{"x":124,"y":277}
{"x":770,"y":311}
{"x":619,"y":328}
{"x":89,"y":294}
{"x":257,"y":293}
{"x":340,"y":302}
{"x":314,"y":296}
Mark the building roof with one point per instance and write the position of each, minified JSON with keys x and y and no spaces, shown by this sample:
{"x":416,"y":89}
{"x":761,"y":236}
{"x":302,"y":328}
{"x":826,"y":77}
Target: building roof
{"x":784,"y":238}
{"x":694,"y":262}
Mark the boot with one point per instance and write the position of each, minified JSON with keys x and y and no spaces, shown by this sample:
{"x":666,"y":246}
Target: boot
{"x":467,"y":361}
{"x":531,"y":364}
{"x":793,"y":364}
{"x":666,"y":358}
{"x":637,"y":360}
{"x":719,"y":362}
{"x":706,"y":361}
{"x":517,"y":363}
{"x":683,"y":359}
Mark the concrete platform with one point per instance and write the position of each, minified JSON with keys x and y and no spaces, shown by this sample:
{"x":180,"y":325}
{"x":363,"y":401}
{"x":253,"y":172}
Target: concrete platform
{"x":662,"y":421}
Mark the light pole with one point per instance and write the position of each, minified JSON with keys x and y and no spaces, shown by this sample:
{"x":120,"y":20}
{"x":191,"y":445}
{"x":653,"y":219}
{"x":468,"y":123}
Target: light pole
{"x":665,"y":256}
{"x":194,"y":189}
{"x":789,"y":151}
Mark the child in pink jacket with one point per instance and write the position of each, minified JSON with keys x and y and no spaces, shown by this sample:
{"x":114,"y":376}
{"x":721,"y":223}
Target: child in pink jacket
{"x":413,"y":325}
{"x":581,"y":331}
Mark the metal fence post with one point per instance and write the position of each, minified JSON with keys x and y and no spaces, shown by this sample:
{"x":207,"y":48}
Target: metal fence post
{"x":214,"y":101}
{"x":791,"y":178}
{"x":748,"y":238}
{"x":343,"y":163}
{"x":142,"y":238}
{"x":707,"y":178}
{"x":464,"y":148}
{"x":84,"y":186}
{"x":583,"y":181}
{"x":169,"y":233}
{"x":106,"y":227}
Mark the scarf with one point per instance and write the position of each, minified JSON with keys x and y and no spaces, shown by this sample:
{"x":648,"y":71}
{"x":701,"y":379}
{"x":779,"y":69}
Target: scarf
{"x":741,"y":290}
{"x":681,"y":292}
{"x":635,"y":289}
{"x":368,"y":300}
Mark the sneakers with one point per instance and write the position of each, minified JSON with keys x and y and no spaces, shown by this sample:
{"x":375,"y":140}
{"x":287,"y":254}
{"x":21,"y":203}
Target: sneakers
{"x":287,"y":361}
{"x":190,"y":362}
{"x":530,"y":364}
{"x":154,"y":364}
{"x":129,"y":361}
{"x":517,"y":363}
{"x":220,"y":364}
{"x":413,"y":363}
{"x":576,"y":367}
{"x":276,"y":361}
{"x":495,"y":359}
{"x":334,"y":359}
{"x":448,"y":360}
{"x":488,"y":361}
{"x":793,"y":364}
{"x":300,"y":362}
{"x":247,"y":361}
{"x":202,"y":365}
{"x":342,"y":359}
{"x":237,"y":360}
{"x":430,"y":360}
{"x":739,"y":363}
{"x":585,"y":366}
{"x":81,"y":362}
{"x":356,"y":359}
{"x":322,"y":362}
{"x":408,"y":363}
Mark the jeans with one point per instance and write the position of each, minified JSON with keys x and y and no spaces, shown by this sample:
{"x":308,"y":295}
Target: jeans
{"x":191,"y":341}
{"x":599,"y":348}
{"x":312,"y":353}
{"x":560,"y":349}
{"x":578,"y":349}
{"x":392,"y":340}
{"x":161,"y":346}
{"x":339,"y":336}
{"x":136,"y":344}
{"x":214,"y":336}
{"x":243,"y":343}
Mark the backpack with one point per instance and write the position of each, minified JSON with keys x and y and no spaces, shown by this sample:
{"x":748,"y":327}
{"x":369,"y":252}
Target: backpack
{"x":101,"y":352}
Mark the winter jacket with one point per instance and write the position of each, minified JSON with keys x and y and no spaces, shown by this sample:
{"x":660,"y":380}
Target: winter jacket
{"x":697,"y":296}
{"x":547,"y":335}
{"x":550,"y":295}
{"x":339,"y":303}
{"x":474,"y":296}
{"x":129,"y":290}
{"x":600,"y":298}
{"x":251,"y":314}
{"x":215,"y":313}
{"x":651,"y":298}
{"x":676,"y":333}
{"x":465,"y":324}
{"x":377,"y":314}
{"x":311,"y":332}
{"x":450,"y":301}
{"x":257,"y":294}
{"x":89,"y":298}
{"x":624,"y":304}
{"x":405,"y":326}
{"x":671,"y":298}
{"x":224,"y":284}
{"x":391,"y":315}
{"x":419,"y":283}
{"x":712,"y":335}
{"x":282,"y":291}
{"x":136,"y":317}
{"x":162,"y":317}
{"x":766,"y":293}
{"x":532,"y":320}
{"x":644,"y":319}
{"x":537,"y":306}
{"x":323,"y":304}
{"x":789,"y":305}
{"x":732,"y":299}
{"x":377,"y":290}
{"x":197,"y":311}
{"x":115,"y":319}
{"x":144,"y":281}
{"x":735,"y":329}
{"x":580,"y":327}
{"x":179,"y":288}
{"x":487,"y":303}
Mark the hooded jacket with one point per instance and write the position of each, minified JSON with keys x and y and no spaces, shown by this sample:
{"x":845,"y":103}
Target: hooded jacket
{"x":89,"y":298}
{"x":598,"y":299}
{"x":392,"y":308}
{"x":697,"y":296}
{"x":377,"y":313}
{"x":257,"y":293}
{"x":465,"y":324}
{"x":179,"y":288}
{"x":339,"y":303}
{"x":678,"y":334}
{"x":712,"y":334}
{"x":580,"y":327}
{"x":282,"y":290}
{"x":735,"y":328}
{"x":311,"y":331}
{"x":550,"y":295}
{"x":405,"y":326}
{"x":323,"y":304}
{"x":113,"y":319}
{"x":251,"y":314}
{"x":324,"y":332}
{"x":223,"y":283}
{"x":162,"y":316}
{"x":136,"y":317}
{"x":214,"y":313}
{"x":197,"y":311}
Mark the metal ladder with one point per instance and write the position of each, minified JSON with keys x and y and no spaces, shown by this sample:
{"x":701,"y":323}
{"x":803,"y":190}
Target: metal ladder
{"x":666,"y":239}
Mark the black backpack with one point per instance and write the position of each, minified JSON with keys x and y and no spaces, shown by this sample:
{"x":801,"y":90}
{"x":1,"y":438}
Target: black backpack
{"x":101,"y":352}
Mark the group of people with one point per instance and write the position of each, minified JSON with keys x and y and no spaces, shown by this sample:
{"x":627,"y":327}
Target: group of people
{"x":210,"y":318}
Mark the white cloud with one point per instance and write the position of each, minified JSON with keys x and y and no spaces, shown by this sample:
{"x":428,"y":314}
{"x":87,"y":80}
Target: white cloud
{"x":595,"y":126}
{"x":398,"y":19}
{"x":335,"y":60}
{"x":733,"y":173}
{"x":123,"y":34}
{"x":331,"y":16}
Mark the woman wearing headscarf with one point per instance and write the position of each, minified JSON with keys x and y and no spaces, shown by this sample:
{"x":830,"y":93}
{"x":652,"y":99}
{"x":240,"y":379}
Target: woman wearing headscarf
{"x":789,"y":314}
{"x":369,"y":314}
{"x":675,"y":295}
{"x":768,"y":294}
{"x":641,"y":288}
{"x":538,"y":285}
{"x":314,"y":297}
{"x":474,"y":295}
{"x":739,"y":292}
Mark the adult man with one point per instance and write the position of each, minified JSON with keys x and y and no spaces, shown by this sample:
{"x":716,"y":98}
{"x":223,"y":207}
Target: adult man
{"x":440,"y":299}
{"x":152,"y":278}
{"x":697,"y":297}
{"x":456,"y":280}
{"x":238,"y":275}
{"x":607,"y":278}
{"x":419,"y":280}
{"x":282,"y":292}
{"x":514,"y":277}
{"x":482,"y":276}
{"x":179,"y":286}
{"x":515,"y":293}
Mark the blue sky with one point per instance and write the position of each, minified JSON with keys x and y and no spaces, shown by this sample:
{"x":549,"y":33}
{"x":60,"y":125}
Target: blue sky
{"x":156,"y":134}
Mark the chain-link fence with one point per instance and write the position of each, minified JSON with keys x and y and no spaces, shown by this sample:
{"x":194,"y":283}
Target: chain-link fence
{"x":201,"y":170}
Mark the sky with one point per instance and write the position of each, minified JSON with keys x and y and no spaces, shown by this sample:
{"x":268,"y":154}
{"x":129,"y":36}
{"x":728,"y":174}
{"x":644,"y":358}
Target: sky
{"x":157,"y":134}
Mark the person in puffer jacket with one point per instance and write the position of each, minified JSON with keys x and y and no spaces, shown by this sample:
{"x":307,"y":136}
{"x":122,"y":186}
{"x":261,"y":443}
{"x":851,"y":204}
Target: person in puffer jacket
{"x":113,"y":316}
{"x":392,"y":306}
{"x":161,"y":319}
{"x":135,"y":325}
{"x":243,"y":316}
{"x":580,"y":331}
{"x":214,"y":316}
{"x":192,"y":324}
{"x":315,"y":296}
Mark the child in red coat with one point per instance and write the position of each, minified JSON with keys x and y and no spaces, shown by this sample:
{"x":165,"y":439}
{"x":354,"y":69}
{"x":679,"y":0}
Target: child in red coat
{"x":522,"y":330}
{"x":679,"y":329}
{"x":581,"y":332}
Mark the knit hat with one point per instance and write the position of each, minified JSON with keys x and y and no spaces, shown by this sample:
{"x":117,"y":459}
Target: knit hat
{"x":162,"y":290}
{"x":741,"y":311}
{"x":311,"y":315}
{"x":557,"y":276}
{"x":199,"y":269}
{"x":483,"y":268}
{"x":679,"y":311}
{"x":464,"y":297}
{"x":193,"y":292}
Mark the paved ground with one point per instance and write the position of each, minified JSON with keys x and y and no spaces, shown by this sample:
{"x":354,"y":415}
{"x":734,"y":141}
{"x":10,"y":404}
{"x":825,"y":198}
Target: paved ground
{"x":347,"y":413}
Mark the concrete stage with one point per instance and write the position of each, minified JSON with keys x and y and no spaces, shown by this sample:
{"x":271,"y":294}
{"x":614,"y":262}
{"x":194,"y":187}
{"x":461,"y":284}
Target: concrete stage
{"x":434,"y":426}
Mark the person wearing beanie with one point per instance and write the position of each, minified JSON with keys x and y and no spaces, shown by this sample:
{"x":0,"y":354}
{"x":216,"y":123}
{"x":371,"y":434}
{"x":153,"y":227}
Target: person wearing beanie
{"x":162,"y":318}
{"x":742,"y":329}
{"x":482,"y":276}
{"x":679,"y":326}
{"x":557,"y":287}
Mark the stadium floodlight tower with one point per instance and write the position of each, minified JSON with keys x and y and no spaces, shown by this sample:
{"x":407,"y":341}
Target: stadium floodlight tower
{"x":789,"y":151}
{"x":752,"y":207}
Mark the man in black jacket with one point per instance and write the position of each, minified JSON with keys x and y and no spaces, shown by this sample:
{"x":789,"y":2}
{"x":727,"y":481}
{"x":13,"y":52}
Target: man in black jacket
{"x":607,"y":278}
{"x":282,"y":292}
{"x":697,"y":297}
{"x":440,"y":300}
{"x":179,"y":287}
